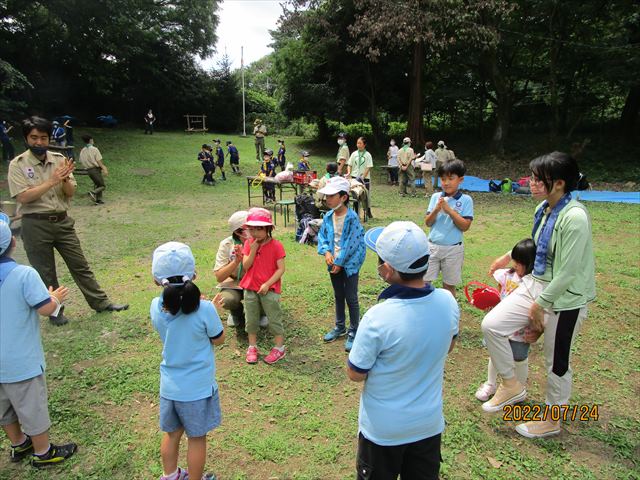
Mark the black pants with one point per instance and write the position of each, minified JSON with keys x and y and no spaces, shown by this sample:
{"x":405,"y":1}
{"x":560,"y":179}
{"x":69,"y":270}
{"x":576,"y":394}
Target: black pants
{"x":95,"y":174}
{"x":412,"y":461}
{"x":345,"y":290}
{"x":393,"y":174}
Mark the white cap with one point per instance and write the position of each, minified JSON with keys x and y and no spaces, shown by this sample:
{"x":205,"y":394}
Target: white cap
{"x":173,"y":259}
{"x":400,"y":244}
{"x":441,"y":143}
{"x":406,"y":140}
{"x":335,"y":185}
{"x":5,"y":234}
{"x":237,"y":220}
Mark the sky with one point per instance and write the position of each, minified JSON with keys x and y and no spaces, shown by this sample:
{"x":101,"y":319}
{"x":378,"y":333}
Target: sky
{"x":245,"y":23}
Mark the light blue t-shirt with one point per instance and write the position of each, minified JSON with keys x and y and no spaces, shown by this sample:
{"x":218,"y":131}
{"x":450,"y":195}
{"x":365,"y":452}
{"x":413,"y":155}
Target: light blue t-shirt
{"x":402,"y":344}
{"x":22,"y":293}
{"x":188,"y":368}
{"x":444,"y":231}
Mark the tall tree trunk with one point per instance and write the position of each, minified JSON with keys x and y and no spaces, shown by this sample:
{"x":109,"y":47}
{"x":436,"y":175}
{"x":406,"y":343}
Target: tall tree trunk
{"x":374,"y":121}
{"x":629,"y":116}
{"x":415,"y":129}
{"x":555,"y":31}
{"x":502,"y":102}
{"x":323,"y":129}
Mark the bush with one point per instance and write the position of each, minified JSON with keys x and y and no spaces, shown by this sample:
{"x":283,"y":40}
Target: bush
{"x":397,"y":129}
{"x":300,"y":128}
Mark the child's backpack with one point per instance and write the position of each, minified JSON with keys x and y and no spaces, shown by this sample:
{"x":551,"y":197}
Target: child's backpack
{"x":305,"y":204}
{"x":506,"y":185}
{"x":482,"y":296}
{"x":494,"y":186}
{"x":583,"y":183}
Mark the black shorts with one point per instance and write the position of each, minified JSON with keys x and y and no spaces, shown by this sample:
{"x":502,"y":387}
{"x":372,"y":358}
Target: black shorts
{"x":412,"y":461}
{"x":234,"y":161}
{"x":220,"y":163}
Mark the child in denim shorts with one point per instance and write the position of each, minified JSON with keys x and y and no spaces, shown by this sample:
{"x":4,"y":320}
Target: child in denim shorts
{"x":24,"y":413}
{"x":187,"y":326}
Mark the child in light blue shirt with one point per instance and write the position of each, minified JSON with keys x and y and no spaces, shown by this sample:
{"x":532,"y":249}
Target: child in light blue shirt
{"x":187,"y":326}
{"x":24,"y":413}
{"x":449,"y":215}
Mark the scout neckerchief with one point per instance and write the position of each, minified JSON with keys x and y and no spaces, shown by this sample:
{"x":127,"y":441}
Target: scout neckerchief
{"x":361,"y":160}
{"x":239,"y":272}
{"x":404,"y":148}
{"x":540,"y":264}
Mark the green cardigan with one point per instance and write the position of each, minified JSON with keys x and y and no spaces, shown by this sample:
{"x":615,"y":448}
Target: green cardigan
{"x":570,"y":271}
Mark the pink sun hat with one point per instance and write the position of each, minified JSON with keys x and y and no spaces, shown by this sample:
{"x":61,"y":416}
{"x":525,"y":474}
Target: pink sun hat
{"x":259,"y":217}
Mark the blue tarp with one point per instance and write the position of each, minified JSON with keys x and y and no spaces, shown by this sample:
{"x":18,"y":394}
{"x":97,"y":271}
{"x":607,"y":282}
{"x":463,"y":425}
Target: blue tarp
{"x":476,"y":184}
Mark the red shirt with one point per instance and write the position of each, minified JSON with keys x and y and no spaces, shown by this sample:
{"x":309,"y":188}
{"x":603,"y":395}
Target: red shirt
{"x":264,"y":265}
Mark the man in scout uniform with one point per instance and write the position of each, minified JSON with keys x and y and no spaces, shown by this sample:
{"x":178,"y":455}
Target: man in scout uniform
{"x":91,"y":159}
{"x":260,"y":131}
{"x":407,"y":171}
{"x":42,"y":182}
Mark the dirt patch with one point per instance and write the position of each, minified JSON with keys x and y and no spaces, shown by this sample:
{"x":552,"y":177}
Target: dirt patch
{"x":143,"y":172}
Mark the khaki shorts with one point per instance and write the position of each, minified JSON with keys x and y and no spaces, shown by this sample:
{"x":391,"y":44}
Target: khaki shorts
{"x":25,"y":402}
{"x":447,"y":259}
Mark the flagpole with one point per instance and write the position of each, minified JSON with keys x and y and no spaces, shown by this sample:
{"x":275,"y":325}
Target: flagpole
{"x":244,"y":119}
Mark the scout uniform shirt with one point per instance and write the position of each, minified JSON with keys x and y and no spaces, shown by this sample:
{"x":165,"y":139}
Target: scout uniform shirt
{"x":260,"y":131}
{"x":26,"y":171}
{"x":359,"y":162}
{"x":405,"y":157}
{"x":90,"y":156}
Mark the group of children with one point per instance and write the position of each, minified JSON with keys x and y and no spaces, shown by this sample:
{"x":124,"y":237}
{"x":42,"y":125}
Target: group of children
{"x":189,"y":400}
{"x":209,"y":162}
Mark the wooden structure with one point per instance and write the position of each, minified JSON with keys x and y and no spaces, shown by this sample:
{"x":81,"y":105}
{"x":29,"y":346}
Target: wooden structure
{"x":196,"y":123}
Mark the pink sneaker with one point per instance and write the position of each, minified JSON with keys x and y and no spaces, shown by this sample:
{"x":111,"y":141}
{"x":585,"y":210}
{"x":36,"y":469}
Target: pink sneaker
{"x":252,"y":355}
{"x":274,"y":356}
{"x":485,"y":391}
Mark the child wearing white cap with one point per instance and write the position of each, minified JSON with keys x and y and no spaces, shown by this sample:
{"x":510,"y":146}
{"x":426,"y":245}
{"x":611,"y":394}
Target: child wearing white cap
{"x":188,"y":326}
{"x":341,"y":241}
{"x":24,"y":412}
{"x":399,"y":354}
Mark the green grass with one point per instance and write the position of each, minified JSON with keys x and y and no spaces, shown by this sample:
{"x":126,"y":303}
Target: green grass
{"x":298,"y":419}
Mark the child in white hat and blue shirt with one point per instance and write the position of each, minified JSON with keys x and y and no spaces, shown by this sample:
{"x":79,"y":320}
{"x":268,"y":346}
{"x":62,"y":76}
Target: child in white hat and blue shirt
{"x":399,"y":354}
{"x":341,"y":242}
{"x":188,"y":326}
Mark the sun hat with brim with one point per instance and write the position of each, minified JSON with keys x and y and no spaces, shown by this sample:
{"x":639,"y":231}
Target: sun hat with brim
{"x":335,"y":185}
{"x":400,"y":244}
{"x":237,"y":220}
{"x":259,"y":217}
{"x":173,"y":259}
{"x":5,"y":235}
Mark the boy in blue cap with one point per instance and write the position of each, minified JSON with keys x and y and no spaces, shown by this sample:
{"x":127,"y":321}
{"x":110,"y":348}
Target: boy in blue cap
{"x":24,"y":414}
{"x":400,"y":353}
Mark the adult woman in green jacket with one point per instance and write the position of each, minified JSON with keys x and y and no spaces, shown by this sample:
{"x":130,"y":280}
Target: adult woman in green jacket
{"x":553,"y":300}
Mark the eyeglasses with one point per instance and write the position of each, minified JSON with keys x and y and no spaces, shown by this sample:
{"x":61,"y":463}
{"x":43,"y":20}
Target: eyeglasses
{"x":535,"y":180}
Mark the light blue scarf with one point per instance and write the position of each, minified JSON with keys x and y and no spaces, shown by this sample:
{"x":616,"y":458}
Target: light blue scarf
{"x":542,"y":245}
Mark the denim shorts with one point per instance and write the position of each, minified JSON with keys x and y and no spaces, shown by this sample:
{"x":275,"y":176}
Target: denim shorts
{"x":197,"y":417}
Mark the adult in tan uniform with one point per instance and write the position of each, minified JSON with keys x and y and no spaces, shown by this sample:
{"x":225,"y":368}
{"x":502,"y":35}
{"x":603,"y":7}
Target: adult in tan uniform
{"x":406,"y":156}
{"x":259,"y":131}
{"x":91,"y":159}
{"x":443,"y":155}
{"x":42,"y":182}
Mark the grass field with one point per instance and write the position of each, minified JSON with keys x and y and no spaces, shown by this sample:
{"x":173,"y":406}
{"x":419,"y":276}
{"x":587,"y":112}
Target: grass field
{"x":298,"y":419}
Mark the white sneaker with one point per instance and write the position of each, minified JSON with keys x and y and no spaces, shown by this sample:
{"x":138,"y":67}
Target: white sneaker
{"x":230,"y":321}
{"x":485,"y":391}
{"x":264,"y":321}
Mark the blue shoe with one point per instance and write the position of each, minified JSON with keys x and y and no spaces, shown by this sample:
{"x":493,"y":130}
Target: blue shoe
{"x":335,"y":334}
{"x":348,"y":343}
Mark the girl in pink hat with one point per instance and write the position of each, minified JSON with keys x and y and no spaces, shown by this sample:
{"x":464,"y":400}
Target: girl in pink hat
{"x":263,"y":262}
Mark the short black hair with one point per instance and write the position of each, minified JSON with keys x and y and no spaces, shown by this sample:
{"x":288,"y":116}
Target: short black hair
{"x":341,"y":193}
{"x":87,"y":138}
{"x":556,"y":166}
{"x":35,"y":123}
{"x":524,"y":252}
{"x":332,"y":167}
{"x":452,"y":167}
{"x":421,"y":262}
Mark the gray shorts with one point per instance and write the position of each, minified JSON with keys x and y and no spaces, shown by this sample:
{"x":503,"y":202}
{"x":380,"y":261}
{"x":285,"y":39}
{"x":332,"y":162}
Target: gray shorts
{"x":25,"y":402}
{"x":446,"y":259}
{"x":197,"y":418}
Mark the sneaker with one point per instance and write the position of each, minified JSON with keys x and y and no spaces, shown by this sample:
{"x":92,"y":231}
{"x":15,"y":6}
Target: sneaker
{"x":274,"y":356}
{"x":264,"y":321}
{"x":485,"y":391}
{"x":231,"y":321}
{"x":546,"y":428}
{"x":18,"y":452}
{"x":55,"y":455}
{"x":181,"y":475}
{"x":252,"y":355}
{"x":93,"y":196}
{"x":334,"y":334}
{"x":348,"y":343}
{"x":505,"y":396}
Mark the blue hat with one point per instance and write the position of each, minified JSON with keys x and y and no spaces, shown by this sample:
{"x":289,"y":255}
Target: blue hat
{"x":173,"y":259}
{"x":400,"y":244}
{"x":5,"y":233}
